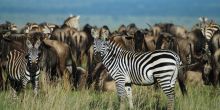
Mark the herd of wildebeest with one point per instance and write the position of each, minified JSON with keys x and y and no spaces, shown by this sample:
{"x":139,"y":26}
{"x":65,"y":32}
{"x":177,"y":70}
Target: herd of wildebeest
{"x":67,"y":50}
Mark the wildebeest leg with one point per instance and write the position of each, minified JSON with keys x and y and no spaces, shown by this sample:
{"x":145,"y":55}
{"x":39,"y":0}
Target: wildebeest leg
{"x":96,"y":75}
{"x":216,"y":77}
{"x":90,"y":66}
{"x":181,"y":80}
{"x":1,"y":77}
{"x":64,"y":73}
{"x":78,"y":58}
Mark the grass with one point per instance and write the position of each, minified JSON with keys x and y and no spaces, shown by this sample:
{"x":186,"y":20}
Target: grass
{"x":56,"y":98}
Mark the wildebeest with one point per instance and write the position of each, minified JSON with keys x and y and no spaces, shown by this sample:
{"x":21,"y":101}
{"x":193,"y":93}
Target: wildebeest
{"x":63,"y":58}
{"x":70,"y":25}
{"x":8,"y":26}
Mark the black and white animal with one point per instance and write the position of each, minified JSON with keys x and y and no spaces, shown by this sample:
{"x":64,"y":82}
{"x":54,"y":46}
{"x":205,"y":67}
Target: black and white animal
{"x":23,"y":68}
{"x":127,"y":68}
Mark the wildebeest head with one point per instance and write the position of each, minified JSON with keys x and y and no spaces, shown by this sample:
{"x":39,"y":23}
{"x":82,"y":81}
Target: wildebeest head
{"x":87,"y":28}
{"x":8,"y":26}
{"x":138,"y":39}
{"x":11,"y":26}
{"x":131,"y":29}
{"x":122,"y":29}
{"x":31,"y":27}
{"x":165,"y":41}
{"x":165,"y":27}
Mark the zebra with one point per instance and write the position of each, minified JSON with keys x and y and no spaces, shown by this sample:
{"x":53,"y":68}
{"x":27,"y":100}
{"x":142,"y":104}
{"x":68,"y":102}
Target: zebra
{"x":23,"y":68}
{"x":127,"y":67}
{"x":72,"y":22}
{"x":208,"y":28}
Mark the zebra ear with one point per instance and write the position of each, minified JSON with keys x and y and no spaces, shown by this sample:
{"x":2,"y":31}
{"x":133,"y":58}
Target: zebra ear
{"x":37,"y":44}
{"x":29,"y":44}
{"x":203,"y":19}
{"x":92,"y":33}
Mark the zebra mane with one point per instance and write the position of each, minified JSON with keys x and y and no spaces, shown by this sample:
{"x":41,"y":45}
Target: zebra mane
{"x":115,"y":45}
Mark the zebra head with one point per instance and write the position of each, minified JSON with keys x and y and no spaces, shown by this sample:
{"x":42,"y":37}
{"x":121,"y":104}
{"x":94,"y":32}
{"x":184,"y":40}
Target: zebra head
{"x":208,"y":28}
{"x":33,"y":56}
{"x":95,"y":32}
{"x":73,"y":22}
{"x":101,"y":47}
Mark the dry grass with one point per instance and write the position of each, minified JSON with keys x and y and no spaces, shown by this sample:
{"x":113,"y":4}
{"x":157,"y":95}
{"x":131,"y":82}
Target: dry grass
{"x":53,"y":97}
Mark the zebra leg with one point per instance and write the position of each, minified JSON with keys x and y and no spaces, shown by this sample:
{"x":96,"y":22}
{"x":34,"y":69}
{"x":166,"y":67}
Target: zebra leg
{"x":129,"y":94}
{"x":24,"y":84}
{"x":35,"y":86}
{"x":120,"y":85}
{"x":169,"y":91}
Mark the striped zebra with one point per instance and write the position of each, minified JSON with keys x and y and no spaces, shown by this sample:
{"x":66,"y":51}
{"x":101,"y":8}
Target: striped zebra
{"x":208,"y":28}
{"x":72,"y":22}
{"x":23,"y":68}
{"x":126,"y":68}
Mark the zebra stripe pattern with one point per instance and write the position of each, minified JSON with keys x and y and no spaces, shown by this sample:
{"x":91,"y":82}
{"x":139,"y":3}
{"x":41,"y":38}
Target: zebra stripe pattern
{"x":72,"y":22}
{"x":128,"y":68}
{"x":209,"y":28}
{"x":23,"y":69}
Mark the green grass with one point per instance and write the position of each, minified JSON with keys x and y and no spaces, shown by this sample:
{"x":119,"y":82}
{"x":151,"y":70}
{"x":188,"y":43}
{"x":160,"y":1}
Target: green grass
{"x":144,"y":98}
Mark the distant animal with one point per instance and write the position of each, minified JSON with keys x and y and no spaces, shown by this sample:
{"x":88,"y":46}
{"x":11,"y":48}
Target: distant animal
{"x":122,"y":29}
{"x":95,"y":32}
{"x":8,"y":26}
{"x":80,"y":78}
{"x":72,"y":22}
{"x":127,"y":68}
{"x":69,"y":27}
{"x":124,"y":41}
{"x":131,"y":29}
{"x":175,"y":30}
{"x":105,"y":32}
{"x":208,"y":28}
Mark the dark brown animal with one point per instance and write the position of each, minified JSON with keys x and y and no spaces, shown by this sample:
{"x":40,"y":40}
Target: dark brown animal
{"x":63,"y":53}
{"x":80,"y":78}
{"x":125,"y":41}
{"x":8,"y":26}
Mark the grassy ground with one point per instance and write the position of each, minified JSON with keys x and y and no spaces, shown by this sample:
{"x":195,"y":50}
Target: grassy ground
{"x":145,"y":98}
